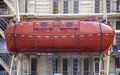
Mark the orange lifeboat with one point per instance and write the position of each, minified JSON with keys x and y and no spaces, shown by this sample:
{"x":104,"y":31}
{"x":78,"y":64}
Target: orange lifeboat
{"x":63,"y":36}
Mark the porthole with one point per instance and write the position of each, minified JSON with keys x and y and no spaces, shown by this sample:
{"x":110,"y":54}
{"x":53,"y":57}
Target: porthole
{"x":69,"y":24}
{"x":43,"y":24}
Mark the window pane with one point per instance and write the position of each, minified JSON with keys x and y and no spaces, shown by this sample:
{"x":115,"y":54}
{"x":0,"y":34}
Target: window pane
{"x":108,"y":6}
{"x":43,"y":24}
{"x":118,"y":41}
{"x":69,"y":24}
{"x":55,"y":6}
{"x":65,"y":66}
{"x":75,"y":66}
{"x":86,"y":66}
{"x":76,"y":6}
{"x":54,"y":65}
{"x":117,"y":63}
{"x":33,"y":66}
{"x":3,"y":8}
{"x":65,"y":6}
{"x":117,"y":25}
{"x":118,"y":6}
{"x":96,"y":65}
{"x":97,"y":6}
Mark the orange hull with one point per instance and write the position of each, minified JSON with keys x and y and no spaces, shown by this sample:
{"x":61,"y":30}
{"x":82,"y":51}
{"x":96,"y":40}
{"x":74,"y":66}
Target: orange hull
{"x":59,"y":37}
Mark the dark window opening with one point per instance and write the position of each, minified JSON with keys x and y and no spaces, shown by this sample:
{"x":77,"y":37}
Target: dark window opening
{"x":118,"y":41}
{"x":33,"y":66}
{"x":55,"y":6}
{"x":76,"y":6}
{"x":108,"y":6}
{"x":118,"y":6}
{"x":65,"y":66}
{"x":96,"y":65}
{"x":75,"y":66}
{"x":69,"y":24}
{"x":26,"y":6}
{"x":3,"y":8}
{"x":3,"y":71}
{"x":117,"y":63}
{"x":65,"y":6}
{"x":1,"y":68}
{"x":86,"y":66}
{"x":97,"y":6}
{"x":43,"y":24}
{"x":54,"y":65}
{"x":117,"y":25}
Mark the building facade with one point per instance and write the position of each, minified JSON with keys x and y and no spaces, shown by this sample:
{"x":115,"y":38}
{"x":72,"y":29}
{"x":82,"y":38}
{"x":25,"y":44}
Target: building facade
{"x":65,"y":64}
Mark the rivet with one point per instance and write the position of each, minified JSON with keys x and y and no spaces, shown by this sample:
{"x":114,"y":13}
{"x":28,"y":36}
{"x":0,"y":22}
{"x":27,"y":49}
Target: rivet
{"x":38,"y":36}
{"x":22,"y":35}
{"x":90,"y":35}
{"x":106,"y":34}
{"x":81,"y":35}
{"x":98,"y":34}
{"x":64,"y":36}
{"x":47,"y":36}
{"x":72,"y":36}
{"x":30,"y":36}
{"x":55,"y":36}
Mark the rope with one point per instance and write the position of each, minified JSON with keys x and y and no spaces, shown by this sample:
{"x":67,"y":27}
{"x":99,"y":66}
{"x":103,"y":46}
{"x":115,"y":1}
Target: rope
{"x":100,"y":40}
{"x":14,"y":39}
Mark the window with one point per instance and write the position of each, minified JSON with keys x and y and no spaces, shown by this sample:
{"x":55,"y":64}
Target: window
{"x":54,"y":65}
{"x":75,"y":66}
{"x":3,"y":8}
{"x":96,"y":61}
{"x":108,"y":6}
{"x":76,"y":6}
{"x":65,"y":66}
{"x":118,"y":6}
{"x":118,"y":41}
{"x":33,"y":66}
{"x":117,"y":25}
{"x":43,"y":24}
{"x":69,"y":24}
{"x":117,"y":63}
{"x":65,"y":6}
{"x":97,"y":6}
{"x":26,"y":6}
{"x":86,"y":66}
{"x":55,"y":6}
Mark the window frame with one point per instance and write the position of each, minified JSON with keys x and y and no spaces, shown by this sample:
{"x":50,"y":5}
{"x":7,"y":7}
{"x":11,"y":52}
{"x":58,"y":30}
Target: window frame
{"x":65,"y":6}
{"x":55,"y":6}
{"x":86,"y":66}
{"x":76,"y":6}
{"x":64,"y":66}
{"x":97,"y":6}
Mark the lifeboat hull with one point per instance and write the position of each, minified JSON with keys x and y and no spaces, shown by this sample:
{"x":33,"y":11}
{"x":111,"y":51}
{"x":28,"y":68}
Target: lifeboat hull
{"x":59,"y":37}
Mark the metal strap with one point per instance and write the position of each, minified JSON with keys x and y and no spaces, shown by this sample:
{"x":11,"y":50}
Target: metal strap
{"x":14,"y":39}
{"x":100,"y":39}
